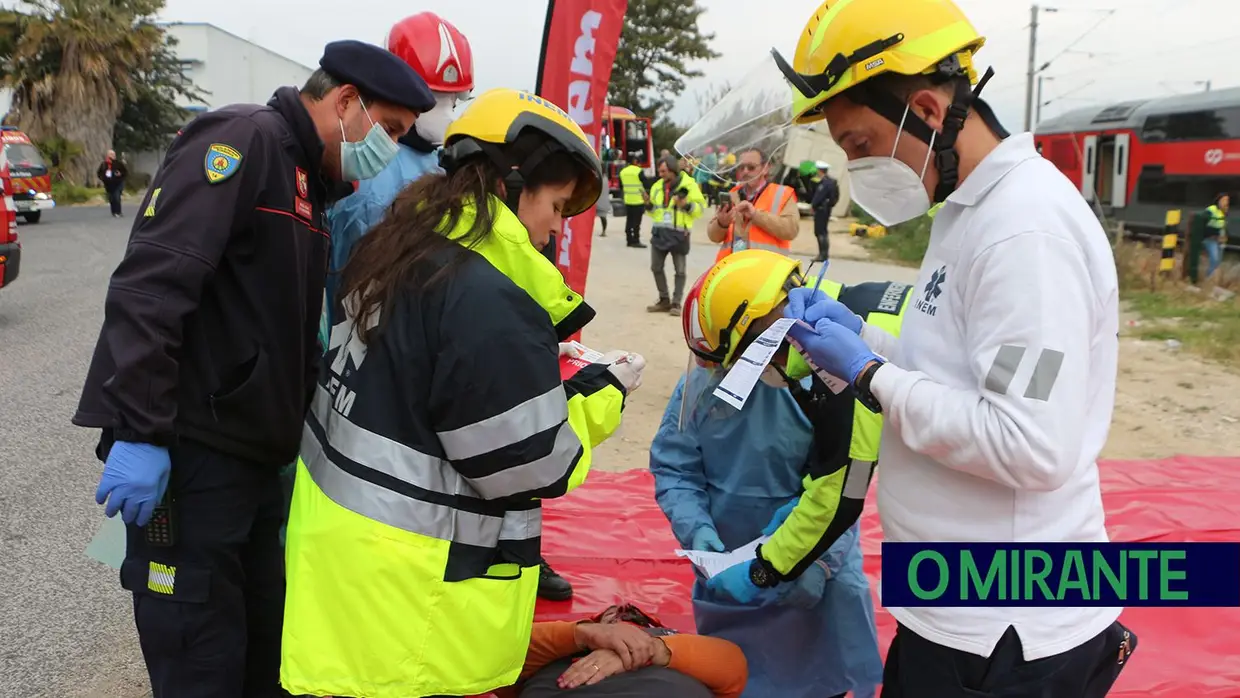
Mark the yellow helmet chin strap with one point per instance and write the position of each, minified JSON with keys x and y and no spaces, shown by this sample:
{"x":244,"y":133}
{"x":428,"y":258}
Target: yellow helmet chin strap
{"x":896,"y":110}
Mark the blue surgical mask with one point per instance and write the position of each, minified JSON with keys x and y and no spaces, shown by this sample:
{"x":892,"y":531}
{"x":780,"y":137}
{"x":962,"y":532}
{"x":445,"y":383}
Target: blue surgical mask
{"x":366,"y":158}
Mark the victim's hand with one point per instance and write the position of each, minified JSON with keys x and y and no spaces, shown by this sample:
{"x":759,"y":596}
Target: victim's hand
{"x":633,"y":645}
{"x":591,"y":669}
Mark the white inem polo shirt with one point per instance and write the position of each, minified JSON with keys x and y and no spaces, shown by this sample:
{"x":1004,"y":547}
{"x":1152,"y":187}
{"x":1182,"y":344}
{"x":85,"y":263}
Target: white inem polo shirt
{"x":999,"y":391}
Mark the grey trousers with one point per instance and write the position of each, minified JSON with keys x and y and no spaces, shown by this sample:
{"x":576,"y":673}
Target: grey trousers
{"x":658,"y":262}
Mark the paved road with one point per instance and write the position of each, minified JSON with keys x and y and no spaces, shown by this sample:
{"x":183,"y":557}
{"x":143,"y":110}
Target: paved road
{"x":66,"y":628}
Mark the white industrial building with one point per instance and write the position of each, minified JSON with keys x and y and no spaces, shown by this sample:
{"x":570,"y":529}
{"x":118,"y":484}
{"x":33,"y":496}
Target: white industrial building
{"x":227,"y":70}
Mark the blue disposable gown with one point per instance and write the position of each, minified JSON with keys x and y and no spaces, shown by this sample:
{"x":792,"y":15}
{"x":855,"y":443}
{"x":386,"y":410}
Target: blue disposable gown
{"x":732,"y":470}
{"x":353,"y":216}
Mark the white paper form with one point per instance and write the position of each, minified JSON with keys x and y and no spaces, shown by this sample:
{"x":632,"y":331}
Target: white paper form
{"x":736,"y":387}
{"x":711,"y":564}
{"x":585,"y":353}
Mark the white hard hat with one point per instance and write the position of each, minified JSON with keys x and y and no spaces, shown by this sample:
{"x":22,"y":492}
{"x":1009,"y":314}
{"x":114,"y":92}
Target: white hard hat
{"x":822,"y":165}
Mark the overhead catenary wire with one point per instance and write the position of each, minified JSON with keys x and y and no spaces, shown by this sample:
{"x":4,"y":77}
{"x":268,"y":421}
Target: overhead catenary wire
{"x":1079,"y":39}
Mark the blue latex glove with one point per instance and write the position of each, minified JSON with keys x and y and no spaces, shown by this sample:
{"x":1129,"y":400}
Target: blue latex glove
{"x":780,"y":517}
{"x":706,"y":539}
{"x":805,"y":304}
{"x":834,"y":348}
{"x":134,"y":479}
{"x":735,"y":584}
{"x":807,"y":590}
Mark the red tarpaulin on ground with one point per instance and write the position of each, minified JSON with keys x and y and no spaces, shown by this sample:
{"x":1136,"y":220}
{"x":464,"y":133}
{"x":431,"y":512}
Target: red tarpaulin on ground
{"x":579,"y":48}
{"x":611,"y":541}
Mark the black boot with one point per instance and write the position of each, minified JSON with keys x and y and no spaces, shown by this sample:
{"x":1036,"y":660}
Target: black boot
{"x":552,"y":586}
{"x":824,"y":248}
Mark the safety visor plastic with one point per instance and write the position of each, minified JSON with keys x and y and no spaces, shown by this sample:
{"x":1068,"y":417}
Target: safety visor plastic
{"x":755,"y":115}
{"x":698,"y":385}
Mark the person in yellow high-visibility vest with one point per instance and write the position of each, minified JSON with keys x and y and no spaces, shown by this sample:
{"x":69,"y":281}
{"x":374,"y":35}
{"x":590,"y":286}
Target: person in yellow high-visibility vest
{"x":674,"y":204}
{"x":634,"y":194}
{"x":440,"y":421}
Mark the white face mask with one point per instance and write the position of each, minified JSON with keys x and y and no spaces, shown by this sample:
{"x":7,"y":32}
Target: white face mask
{"x":433,"y":125}
{"x":889,"y":189}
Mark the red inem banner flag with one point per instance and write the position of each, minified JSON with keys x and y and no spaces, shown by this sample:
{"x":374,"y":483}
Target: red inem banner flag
{"x":579,"y":48}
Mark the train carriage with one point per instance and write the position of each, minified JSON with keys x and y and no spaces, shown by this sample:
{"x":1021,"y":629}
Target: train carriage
{"x":1136,"y":160}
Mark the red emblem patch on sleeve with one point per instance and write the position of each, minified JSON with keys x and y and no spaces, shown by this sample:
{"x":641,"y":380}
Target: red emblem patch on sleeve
{"x":303,"y":184}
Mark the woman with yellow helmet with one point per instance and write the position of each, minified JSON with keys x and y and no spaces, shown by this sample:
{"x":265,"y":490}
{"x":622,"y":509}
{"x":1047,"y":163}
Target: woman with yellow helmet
{"x":440,"y":421}
{"x":724,"y":477}
{"x":999,"y":392}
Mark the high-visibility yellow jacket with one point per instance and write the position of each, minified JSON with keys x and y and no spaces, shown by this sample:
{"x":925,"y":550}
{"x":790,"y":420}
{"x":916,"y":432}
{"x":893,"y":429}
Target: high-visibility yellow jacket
{"x":631,"y":185}
{"x":413,"y":537}
{"x":843,"y":460}
{"x":664,"y":209}
{"x":1216,"y":222}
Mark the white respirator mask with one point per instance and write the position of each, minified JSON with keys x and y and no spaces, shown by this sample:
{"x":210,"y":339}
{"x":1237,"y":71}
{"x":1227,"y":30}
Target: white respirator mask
{"x":433,"y":125}
{"x":887,"y":188}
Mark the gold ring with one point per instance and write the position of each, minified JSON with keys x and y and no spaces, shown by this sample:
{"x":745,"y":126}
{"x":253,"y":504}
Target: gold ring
{"x":594,"y":667}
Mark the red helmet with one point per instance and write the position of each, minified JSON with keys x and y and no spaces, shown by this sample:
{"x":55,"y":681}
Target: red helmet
{"x":436,"y":49}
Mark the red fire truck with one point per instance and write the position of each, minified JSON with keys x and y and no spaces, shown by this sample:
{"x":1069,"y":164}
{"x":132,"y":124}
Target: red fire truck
{"x":624,"y":133}
{"x":1138,"y":159}
{"x":10,"y":248}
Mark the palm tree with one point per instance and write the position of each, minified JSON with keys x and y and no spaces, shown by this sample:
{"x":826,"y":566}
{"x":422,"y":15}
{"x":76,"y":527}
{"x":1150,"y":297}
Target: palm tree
{"x":71,"y":64}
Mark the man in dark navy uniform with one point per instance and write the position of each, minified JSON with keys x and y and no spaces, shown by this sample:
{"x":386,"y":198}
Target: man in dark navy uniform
{"x":207,"y":357}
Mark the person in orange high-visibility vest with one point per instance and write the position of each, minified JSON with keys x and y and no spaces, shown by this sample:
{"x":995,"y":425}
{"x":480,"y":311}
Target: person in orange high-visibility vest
{"x":764,"y":215}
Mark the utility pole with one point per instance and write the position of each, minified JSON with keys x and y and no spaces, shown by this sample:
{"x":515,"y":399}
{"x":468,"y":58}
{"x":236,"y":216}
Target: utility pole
{"x":1033,"y":48}
{"x":1207,"y":85}
{"x":1037,"y":112}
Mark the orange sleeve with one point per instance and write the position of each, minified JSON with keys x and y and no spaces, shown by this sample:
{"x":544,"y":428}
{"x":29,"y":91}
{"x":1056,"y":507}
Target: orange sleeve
{"x":549,"y":642}
{"x":717,"y":663}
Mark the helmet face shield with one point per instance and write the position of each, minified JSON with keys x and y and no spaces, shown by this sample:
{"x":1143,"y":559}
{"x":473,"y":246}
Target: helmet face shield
{"x":755,"y":115}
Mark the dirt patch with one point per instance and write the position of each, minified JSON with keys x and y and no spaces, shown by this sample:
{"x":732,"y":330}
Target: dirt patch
{"x":1167,"y":402}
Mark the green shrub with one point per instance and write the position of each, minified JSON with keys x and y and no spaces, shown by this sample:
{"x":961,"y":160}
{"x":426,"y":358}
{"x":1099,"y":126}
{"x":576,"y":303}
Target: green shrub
{"x":137,"y":183}
{"x":905,"y":243}
{"x":65,"y":193}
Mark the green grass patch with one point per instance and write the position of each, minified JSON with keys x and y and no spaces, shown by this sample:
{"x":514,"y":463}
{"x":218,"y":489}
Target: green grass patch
{"x":67,"y":194}
{"x":904,"y":244}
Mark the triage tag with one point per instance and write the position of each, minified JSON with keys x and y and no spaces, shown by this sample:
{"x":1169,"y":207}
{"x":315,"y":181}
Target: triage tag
{"x":836,"y":384}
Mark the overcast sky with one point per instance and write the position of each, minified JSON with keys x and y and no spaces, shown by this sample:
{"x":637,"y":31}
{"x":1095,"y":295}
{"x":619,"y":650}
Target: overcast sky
{"x":1145,"y":48}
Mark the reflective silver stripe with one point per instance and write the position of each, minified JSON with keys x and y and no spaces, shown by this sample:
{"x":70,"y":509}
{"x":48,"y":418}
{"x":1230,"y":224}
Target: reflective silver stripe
{"x":531,"y":417}
{"x":416,"y":516}
{"x":383,"y":454}
{"x":777,"y":201}
{"x":521,"y":525}
{"x":535,"y":474}
{"x":768,"y":246}
{"x":1003,"y":369}
{"x":1044,"y":375}
{"x":857,"y":482}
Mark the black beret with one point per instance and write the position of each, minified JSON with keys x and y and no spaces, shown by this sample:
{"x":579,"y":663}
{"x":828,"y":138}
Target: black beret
{"x":378,"y":73}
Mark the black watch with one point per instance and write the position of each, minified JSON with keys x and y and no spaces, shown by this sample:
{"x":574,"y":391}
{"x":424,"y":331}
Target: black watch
{"x":762,"y":574}
{"x":861,"y":387}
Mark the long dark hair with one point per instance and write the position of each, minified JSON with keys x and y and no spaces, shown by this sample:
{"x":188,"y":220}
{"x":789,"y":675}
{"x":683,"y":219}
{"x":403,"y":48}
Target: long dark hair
{"x":409,"y":251}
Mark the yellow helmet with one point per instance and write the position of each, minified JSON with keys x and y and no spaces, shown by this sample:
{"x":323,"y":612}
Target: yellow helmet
{"x":497,"y":117}
{"x":847,"y":42}
{"x":739,"y":289}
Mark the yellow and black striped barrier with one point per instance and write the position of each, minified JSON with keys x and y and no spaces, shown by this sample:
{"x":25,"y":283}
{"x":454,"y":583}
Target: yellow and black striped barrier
{"x":1170,"y":240}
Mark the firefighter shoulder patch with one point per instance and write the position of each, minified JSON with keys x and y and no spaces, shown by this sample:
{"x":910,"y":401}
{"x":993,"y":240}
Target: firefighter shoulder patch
{"x":222,"y":161}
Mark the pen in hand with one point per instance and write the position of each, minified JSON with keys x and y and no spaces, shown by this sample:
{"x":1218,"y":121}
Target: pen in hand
{"x":822,"y":274}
